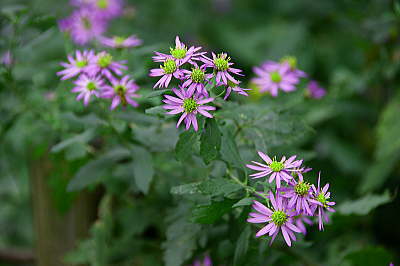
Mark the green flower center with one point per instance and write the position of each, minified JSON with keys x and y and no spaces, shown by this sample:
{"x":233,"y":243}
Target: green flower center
{"x":102,"y":4}
{"x":197,"y":75}
{"x":321,"y":198}
{"x":86,"y":23}
{"x":178,"y":53}
{"x":301,"y":188}
{"x":120,"y":90}
{"x":91,"y":86}
{"x":275,"y":76}
{"x":119,"y":40}
{"x":276,"y":166}
{"x":189,"y":105}
{"x":81,"y":64}
{"x":169,"y":66}
{"x":221,"y":62}
{"x":105,"y":60}
{"x":291,"y":60}
{"x":279,"y":217}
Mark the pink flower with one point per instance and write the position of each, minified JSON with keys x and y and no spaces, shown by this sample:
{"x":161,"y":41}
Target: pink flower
{"x":121,"y":92}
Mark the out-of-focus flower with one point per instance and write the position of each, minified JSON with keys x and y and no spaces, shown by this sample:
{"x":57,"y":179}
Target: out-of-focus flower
{"x":167,"y":71}
{"x":206,"y":262}
{"x":221,"y":65}
{"x":235,"y":88}
{"x":322,"y":204}
{"x":104,"y":65}
{"x":121,"y":42}
{"x":278,"y":219}
{"x":6,"y":59}
{"x":272,"y":76}
{"x":87,"y":86}
{"x":180,"y":54}
{"x":277,"y":170}
{"x":77,"y":65}
{"x":299,"y":221}
{"x":195,"y":81}
{"x":292,"y":61}
{"x":121,"y":91}
{"x":189,"y":105}
{"x":107,"y":9}
{"x":84,"y":25}
{"x":314,"y":90}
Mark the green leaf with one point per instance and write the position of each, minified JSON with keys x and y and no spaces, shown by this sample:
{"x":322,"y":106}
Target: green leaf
{"x":156,"y":93}
{"x":210,"y":141}
{"x":81,"y":138}
{"x":157,"y":110}
{"x":243,"y":202}
{"x":242,"y":246}
{"x":229,"y":151}
{"x":370,"y":256}
{"x":210,"y":213}
{"x":185,"y":144}
{"x":95,"y":169}
{"x":210,"y":187}
{"x":142,"y":168}
{"x":191,"y":188}
{"x":363,"y":205}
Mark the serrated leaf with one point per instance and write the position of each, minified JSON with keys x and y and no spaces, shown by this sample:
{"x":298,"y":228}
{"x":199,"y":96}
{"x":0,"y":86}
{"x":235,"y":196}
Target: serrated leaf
{"x":185,"y":144}
{"x":363,"y":205}
{"x":210,"y":141}
{"x":142,"y":168}
{"x":210,"y":213}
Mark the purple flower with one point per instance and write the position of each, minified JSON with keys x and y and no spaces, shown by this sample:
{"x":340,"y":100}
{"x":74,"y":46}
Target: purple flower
{"x":292,"y":61}
{"x":6,"y":59}
{"x":104,"y":65}
{"x":189,"y":105}
{"x":77,"y":65}
{"x":278,"y":219}
{"x":276,"y":169}
{"x":84,"y":25}
{"x":235,"y":87}
{"x":88,"y":86}
{"x":221,"y":65}
{"x":121,"y":42}
{"x":299,"y":221}
{"x":315,"y":91}
{"x":180,"y":54}
{"x":169,"y":69}
{"x":206,"y":262}
{"x":106,"y":9}
{"x":299,"y":194}
{"x":65,"y":24}
{"x":121,"y":92}
{"x":320,"y":199}
{"x":195,"y":80}
{"x":273,"y":76}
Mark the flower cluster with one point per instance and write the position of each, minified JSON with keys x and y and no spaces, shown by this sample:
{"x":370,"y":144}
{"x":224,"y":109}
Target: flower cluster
{"x":189,"y":66}
{"x":291,"y":205}
{"x":99,"y":75}
{"x":273,"y":76}
{"x":90,"y":20}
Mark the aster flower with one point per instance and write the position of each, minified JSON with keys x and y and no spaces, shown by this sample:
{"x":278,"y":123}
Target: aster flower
{"x":221,"y":65}
{"x":273,"y":76}
{"x":299,"y":194}
{"x":180,"y":54}
{"x":235,"y":88}
{"x":107,"y":9}
{"x":314,"y":90}
{"x":121,"y":42}
{"x":6,"y":59}
{"x":292,"y":62}
{"x":322,"y":204}
{"x":87,"y":86}
{"x":86,"y":25}
{"x":189,"y":105}
{"x":65,"y":24}
{"x":206,"y":262}
{"x":277,"y":170}
{"x":104,"y":65}
{"x":121,"y":92}
{"x":77,"y":65}
{"x":195,"y":80}
{"x":299,"y":221}
{"x":167,"y":71}
{"x":278,"y":219}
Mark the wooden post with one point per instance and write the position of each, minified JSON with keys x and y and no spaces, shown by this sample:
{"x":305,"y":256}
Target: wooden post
{"x":57,"y":233}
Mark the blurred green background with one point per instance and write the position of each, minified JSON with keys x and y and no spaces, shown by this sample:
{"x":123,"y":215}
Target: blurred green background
{"x":350,"y":47}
